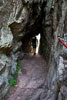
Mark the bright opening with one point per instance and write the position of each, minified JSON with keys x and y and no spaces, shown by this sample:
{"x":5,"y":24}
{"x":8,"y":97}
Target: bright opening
{"x":38,"y":43}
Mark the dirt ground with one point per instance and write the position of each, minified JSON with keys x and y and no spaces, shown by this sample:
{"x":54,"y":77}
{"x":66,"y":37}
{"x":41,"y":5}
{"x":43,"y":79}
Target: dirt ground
{"x":30,"y":81}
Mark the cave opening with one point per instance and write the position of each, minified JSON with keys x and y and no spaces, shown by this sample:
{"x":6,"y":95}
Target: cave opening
{"x":32,"y":28}
{"x":32,"y":45}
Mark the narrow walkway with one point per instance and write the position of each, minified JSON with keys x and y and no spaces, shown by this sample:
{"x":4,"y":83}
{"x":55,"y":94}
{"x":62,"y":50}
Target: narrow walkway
{"x":31,"y":80}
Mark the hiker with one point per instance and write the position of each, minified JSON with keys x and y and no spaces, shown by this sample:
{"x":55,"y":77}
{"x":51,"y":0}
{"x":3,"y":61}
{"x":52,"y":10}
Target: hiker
{"x":34,"y":45}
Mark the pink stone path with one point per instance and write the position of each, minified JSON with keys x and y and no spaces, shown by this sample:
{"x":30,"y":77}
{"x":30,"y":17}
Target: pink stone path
{"x":31,"y":80}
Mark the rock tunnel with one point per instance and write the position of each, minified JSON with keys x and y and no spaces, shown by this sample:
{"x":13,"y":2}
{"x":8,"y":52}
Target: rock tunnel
{"x":20,"y":21}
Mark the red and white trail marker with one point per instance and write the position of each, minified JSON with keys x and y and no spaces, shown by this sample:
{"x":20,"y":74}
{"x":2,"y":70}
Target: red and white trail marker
{"x":60,"y":40}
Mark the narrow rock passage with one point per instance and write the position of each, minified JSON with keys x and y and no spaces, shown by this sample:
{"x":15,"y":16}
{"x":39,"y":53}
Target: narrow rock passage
{"x":31,"y":80}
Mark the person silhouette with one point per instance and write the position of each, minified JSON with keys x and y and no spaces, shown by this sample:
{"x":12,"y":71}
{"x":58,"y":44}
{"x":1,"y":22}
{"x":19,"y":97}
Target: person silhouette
{"x":34,"y":45}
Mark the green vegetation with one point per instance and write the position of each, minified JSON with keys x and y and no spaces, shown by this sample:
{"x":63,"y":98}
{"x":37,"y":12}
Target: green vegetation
{"x":12,"y":80}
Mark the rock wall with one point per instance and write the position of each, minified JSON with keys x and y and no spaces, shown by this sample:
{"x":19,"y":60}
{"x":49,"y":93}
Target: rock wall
{"x":19,"y":20}
{"x":54,"y":25}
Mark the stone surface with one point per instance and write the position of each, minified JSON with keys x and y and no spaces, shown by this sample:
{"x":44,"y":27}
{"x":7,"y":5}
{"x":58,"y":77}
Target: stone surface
{"x":31,"y":79}
{"x":17,"y":19}
{"x":20,"y":20}
{"x":62,"y":94}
